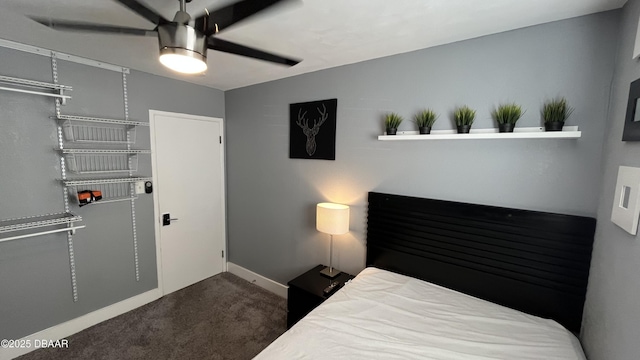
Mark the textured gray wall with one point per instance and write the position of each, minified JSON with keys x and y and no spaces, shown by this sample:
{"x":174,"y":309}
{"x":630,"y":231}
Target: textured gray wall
{"x":271,"y":198}
{"x":34,"y":272}
{"x":612,"y":318}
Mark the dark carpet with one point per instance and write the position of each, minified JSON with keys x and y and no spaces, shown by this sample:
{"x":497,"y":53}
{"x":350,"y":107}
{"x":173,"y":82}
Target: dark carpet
{"x":223,"y":317}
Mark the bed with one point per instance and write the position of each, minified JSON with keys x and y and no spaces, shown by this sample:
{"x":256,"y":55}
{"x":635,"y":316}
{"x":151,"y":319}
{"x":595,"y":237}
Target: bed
{"x":450,"y":280}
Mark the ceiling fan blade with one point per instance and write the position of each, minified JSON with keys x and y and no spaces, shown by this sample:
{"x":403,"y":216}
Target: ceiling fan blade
{"x":233,"y":48}
{"x":87,"y":27}
{"x":144,"y":11}
{"x":226,"y":16}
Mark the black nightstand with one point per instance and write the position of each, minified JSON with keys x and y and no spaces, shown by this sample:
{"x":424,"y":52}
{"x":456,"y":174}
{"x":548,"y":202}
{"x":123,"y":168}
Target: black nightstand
{"x":306,"y":292}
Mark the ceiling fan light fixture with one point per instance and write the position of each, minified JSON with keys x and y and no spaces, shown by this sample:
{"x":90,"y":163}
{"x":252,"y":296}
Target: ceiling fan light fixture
{"x":185,"y":61}
{"x":182,"y":48}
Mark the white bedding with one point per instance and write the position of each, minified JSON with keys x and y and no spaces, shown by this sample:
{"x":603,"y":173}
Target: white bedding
{"x":383,"y":315}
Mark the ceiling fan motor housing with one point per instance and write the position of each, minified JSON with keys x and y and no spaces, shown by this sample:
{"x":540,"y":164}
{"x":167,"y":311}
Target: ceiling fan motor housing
{"x":182,"y":39}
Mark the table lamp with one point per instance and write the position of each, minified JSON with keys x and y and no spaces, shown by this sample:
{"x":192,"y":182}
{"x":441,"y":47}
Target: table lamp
{"x":332,"y":219}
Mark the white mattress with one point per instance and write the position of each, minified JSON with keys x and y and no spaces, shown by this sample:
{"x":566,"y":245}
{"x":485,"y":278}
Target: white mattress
{"x":383,"y":315}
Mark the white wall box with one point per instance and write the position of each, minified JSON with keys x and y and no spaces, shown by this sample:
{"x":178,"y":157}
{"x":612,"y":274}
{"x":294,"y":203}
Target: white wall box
{"x":626,"y":202}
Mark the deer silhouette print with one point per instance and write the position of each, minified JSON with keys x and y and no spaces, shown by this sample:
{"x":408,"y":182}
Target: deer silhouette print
{"x":311,"y":132}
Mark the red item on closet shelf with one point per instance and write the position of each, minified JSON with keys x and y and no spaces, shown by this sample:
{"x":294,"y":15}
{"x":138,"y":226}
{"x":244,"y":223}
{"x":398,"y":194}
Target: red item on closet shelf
{"x":86,"y":197}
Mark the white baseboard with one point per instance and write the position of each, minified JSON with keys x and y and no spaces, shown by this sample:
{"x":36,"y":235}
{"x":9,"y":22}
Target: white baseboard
{"x":263,"y":282}
{"x":78,"y":324}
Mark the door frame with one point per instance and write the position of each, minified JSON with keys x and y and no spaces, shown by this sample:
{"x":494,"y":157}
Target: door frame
{"x":156,"y":203}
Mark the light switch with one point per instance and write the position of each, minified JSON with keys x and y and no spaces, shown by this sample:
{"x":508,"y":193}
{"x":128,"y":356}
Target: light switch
{"x":139,"y":187}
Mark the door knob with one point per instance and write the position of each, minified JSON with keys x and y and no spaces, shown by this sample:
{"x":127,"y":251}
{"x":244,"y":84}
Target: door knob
{"x":167,"y":219}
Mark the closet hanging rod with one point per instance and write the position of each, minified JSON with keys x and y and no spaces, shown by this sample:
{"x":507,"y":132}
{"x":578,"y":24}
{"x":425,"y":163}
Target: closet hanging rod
{"x":33,"y":83}
{"x":72,"y":229}
{"x":60,"y":96}
{"x":57,"y":88}
{"x":38,"y":221}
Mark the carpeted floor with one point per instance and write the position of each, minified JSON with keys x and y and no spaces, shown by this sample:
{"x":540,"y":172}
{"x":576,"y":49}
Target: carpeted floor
{"x":223,"y":317}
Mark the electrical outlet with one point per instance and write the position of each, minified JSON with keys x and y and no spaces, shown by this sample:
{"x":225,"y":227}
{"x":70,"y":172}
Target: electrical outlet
{"x":140,"y":187}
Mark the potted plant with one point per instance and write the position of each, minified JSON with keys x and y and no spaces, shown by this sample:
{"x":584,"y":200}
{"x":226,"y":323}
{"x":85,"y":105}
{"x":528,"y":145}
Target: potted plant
{"x":425,"y":120}
{"x":464,"y":117}
{"x":391,"y":122}
{"x":555,"y":113}
{"x":507,"y":115}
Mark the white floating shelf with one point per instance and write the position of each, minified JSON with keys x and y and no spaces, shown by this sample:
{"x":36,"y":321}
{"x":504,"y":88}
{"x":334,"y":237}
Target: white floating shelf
{"x":568,"y":132}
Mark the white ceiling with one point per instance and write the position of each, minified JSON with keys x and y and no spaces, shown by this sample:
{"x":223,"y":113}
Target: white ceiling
{"x":324,"y":33}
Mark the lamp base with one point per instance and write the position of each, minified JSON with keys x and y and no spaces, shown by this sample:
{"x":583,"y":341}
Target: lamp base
{"x":327,"y":271}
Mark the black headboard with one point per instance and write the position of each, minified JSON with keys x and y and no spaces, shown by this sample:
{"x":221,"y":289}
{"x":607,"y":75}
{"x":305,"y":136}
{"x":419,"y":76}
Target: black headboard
{"x":531,"y":261}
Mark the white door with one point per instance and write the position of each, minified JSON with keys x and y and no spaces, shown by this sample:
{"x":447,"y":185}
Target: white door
{"x":188,"y":171}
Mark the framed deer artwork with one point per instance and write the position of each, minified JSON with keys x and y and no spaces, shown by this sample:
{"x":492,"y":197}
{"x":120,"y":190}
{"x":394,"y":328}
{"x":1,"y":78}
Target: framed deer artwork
{"x":312,"y":130}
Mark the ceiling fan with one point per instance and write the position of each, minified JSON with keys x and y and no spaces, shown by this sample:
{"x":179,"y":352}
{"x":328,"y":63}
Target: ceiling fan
{"x":183,"y":47}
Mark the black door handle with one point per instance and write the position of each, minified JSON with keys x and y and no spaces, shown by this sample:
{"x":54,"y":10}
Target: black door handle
{"x":166,"y":219}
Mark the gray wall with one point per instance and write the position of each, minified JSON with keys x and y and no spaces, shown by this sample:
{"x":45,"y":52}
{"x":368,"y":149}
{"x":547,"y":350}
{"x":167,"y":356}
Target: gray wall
{"x":271,"y":198}
{"x":34,"y":272}
{"x":612,"y":318}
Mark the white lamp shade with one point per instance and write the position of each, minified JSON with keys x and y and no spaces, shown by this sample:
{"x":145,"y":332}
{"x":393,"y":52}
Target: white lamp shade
{"x":332,"y":218}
